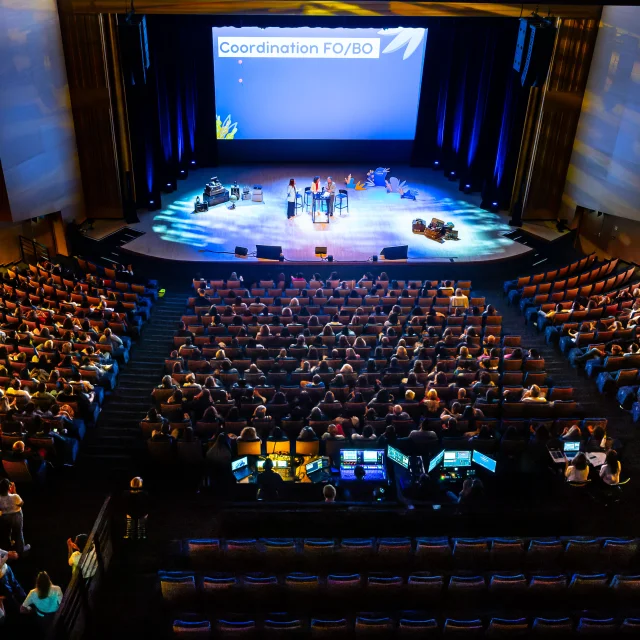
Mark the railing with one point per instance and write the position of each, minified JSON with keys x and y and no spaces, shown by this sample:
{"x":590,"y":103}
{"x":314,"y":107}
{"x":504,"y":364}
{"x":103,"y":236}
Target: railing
{"x":32,"y":251}
{"x":74,"y":617}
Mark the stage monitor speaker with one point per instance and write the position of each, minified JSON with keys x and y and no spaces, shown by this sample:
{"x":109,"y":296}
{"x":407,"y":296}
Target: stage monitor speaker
{"x":241,"y":251}
{"x":321,"y":252}
{"x":395,"y":253}
{"x":268,"y":252}
{"x":538,"y":54}
{"x":523,"y":34}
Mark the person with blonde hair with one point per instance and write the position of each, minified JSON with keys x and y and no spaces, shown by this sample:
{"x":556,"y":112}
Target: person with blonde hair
{"x":136,"y":507}
{"x":431,"y":402}
{"x":329,"y":493}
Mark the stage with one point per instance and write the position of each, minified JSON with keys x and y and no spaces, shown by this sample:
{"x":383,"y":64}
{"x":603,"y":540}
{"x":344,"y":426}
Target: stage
{"x":375,"y":219}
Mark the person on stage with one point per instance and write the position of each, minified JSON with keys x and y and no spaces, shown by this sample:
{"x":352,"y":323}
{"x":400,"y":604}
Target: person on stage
{"x":292,"y":193}
{"x":316,"y":191}
{"x":331,"y":190}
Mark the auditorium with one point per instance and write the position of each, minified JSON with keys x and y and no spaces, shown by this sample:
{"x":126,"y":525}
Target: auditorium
{"x":318,"y":319}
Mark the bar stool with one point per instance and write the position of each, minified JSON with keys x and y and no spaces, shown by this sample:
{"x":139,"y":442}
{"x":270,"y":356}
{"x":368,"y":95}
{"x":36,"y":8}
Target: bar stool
{"x":308,"y":198}
{"x":299,"y":203}
{"x":320,"y":205}
{"x":343,"y":195}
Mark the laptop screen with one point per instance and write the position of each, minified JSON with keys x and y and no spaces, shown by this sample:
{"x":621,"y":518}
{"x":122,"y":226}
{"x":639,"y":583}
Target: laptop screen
{"x":434,"y":462}
{"x":398,"y":457}
{"x":455,"y":459}
{"x":570,"y":447}
{"x":484,"y":461}
{"x":238,"y":464}
{"x":316,"y":465}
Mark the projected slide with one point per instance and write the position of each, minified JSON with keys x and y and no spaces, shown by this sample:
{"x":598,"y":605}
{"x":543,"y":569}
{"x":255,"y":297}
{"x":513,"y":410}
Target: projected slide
{"x":313,"y":84}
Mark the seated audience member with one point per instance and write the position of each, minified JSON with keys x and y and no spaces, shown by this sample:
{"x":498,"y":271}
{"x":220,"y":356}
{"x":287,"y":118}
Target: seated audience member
{"x":269,"y":482}
{"x":610,"y":470}
{"x":423,"y":433}
{"x":248,"y":434}
{"x":389,"y":436}
{"x":329,"y":493}
{"x":332,"y":433}
{"x":307,"y":434}
{"x":367,"y":434}
{"x":459,"y":300}
{"x":359,"y":490}
{"x":578,"y":469}
{"x":533,"y":395}
{"x":44,"y":600}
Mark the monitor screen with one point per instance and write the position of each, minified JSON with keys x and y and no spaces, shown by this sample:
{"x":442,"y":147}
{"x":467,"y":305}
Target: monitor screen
{"x":571,"y":446}
{"x":239,"y":463}
{"x":484,"y":461}
{"x":258,"y":73}
{"x":316,"y":465}
{"x":435,"y":461}
{"x":398,"y":457}
{"x":277,"y":464}
{"x":352,"y":457}
{"x":455,"y":459}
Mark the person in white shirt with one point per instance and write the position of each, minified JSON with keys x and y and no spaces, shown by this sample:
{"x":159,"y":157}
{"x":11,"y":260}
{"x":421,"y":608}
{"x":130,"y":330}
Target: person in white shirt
{"x":578,"y":470}
{"x":45,"y":599}
{"x":610,"y":470}
{"x":75,"y":548}
{"x":11,"y":517}
{"x":292,"y":194}
{"x":316,"y":191}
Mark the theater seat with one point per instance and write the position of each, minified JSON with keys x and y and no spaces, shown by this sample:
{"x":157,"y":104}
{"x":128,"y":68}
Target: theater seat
{"x":433,"y":552}
{"x":470,"y":553}
{"x":415,"y":626}
{"x":544,"y":553}
{"x":552,"y":628}
{"x":506,"y":553}
{"x":424,"y":587}
{"x":619,"y":554}
{"x":242,"y":628}
{"x":177,"y":587}
{"x":394,"y":550}
{"x":462,"y":628}
{"x":337,"y":627}
{"x":507,"y":628}
{"x":368,"y":625}
{"x":605,"y":627}
{"x":282,"y":626}
{"x":198,"y":630}
{"x":202,"y":552}
{"x":630,"y":627}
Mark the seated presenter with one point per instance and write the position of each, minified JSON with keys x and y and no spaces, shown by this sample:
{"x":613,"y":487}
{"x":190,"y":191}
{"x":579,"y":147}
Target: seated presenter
{"x":316,"y":190}
{"x":331,"y":190}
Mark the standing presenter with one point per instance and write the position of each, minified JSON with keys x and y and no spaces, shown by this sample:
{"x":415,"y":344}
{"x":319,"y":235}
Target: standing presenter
{"x":331,"y":190}
{"x":292,"y":193}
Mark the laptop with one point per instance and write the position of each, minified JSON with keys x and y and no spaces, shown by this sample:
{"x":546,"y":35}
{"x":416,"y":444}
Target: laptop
{"x":571,"y":449}
{"x":317,"y":470}
{"x":240,"y":468}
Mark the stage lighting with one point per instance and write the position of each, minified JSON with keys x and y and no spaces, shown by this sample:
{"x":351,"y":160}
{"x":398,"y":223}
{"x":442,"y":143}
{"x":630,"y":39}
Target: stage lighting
{"x":495,"y":206}
{"x":452,"y":176}
{"x":465,"y":188}
{"x":436,"y":164}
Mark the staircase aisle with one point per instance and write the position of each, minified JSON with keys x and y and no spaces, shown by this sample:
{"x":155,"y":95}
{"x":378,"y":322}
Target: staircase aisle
{"x":113,"y":450}
{"x":557,"y":366}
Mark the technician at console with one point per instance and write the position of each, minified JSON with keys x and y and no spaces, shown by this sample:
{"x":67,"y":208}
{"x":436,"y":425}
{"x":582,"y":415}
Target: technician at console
{"x":359,"y":490}
{"x":269,"y":482}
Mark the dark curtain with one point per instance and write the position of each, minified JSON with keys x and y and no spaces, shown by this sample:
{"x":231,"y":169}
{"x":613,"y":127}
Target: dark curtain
{"x":172,"y":114}
{"x":471,"y":103}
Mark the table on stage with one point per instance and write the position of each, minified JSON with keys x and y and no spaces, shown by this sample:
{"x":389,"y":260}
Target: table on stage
{"x":320,"y":201}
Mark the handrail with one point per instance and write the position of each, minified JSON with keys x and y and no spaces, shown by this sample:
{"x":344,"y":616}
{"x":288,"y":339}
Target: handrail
{"x":73,"y":618}
{"x":32,"y":249}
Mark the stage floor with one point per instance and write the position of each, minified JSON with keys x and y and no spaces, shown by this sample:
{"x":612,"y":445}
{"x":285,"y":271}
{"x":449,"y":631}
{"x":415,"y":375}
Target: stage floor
{"x":376,"y":219}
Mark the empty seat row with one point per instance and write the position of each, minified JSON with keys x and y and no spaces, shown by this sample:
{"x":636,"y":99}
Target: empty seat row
{"x":386,"y":589}
{"x":410,"y":625}
{"x":610,"y":554}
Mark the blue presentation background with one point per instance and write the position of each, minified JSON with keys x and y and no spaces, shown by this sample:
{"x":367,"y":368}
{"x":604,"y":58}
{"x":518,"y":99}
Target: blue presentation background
{"x":294,"y":98}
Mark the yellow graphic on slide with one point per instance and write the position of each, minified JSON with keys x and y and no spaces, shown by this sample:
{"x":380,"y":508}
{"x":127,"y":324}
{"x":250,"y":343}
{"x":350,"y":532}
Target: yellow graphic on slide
{"x":226,"y":130}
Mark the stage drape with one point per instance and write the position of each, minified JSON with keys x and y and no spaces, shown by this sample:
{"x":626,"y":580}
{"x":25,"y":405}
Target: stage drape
{"x":470,"y":114}
{"x":172,"y":114}
{"x":471,"y":105}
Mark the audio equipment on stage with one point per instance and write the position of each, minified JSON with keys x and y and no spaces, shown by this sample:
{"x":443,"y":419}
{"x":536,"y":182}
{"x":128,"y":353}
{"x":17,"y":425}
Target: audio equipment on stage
{"x":215,"y":193}
{"x":268,"y":252}
{"x":395,"y":253}
{"x":257,"y":193}
{"x":534,"y":47}
{"x":241,"y":251}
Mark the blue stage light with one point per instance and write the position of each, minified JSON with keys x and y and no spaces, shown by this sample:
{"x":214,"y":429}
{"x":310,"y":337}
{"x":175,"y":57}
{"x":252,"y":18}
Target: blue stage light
{"x":193,"y":162}
{"x":151,"y":201}
{"x":467,"y":186}
{"x":495,"y":204}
